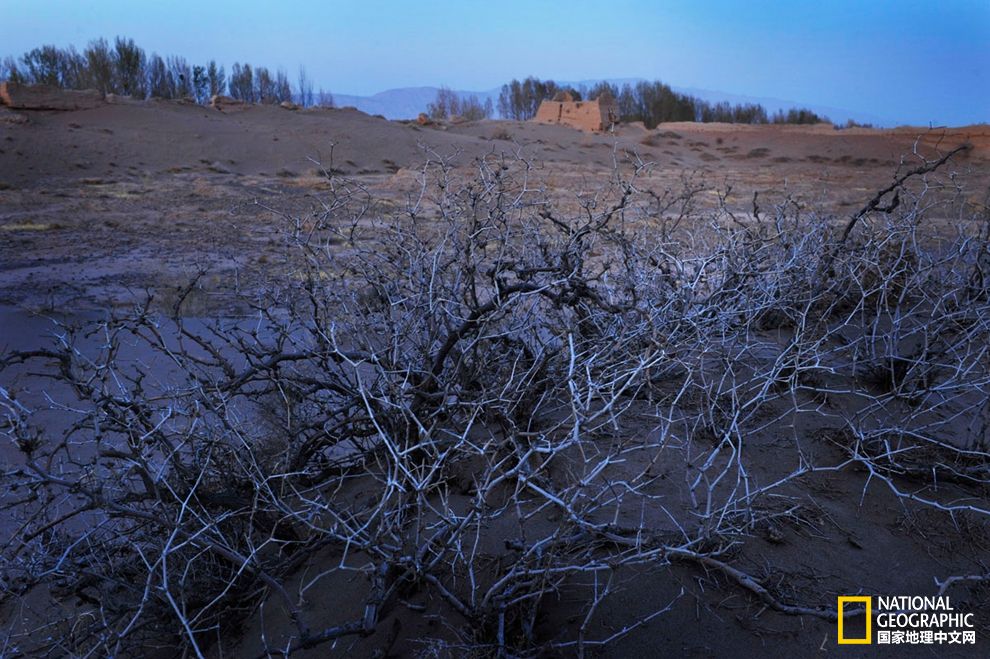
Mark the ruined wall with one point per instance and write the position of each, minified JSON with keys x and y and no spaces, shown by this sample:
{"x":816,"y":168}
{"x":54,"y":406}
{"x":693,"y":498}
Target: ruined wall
{"x":596,"y":115}
{"x":548,"y":112}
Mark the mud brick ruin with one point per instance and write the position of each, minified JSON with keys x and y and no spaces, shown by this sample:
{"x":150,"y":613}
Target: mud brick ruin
{"x":597,"y":115}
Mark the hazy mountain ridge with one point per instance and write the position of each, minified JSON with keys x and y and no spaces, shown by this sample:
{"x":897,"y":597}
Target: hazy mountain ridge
{"x":404,"y":102}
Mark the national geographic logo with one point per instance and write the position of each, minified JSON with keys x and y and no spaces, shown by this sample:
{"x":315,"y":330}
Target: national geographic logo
{"x":867,"y":601}
{"x":906,"y":620}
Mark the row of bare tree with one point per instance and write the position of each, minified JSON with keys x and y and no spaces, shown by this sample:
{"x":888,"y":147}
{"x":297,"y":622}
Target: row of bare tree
{"x":124,"y":68}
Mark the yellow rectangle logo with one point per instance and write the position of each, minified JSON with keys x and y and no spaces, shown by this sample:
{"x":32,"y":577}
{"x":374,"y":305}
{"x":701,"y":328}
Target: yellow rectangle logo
{"x":857,"y":599}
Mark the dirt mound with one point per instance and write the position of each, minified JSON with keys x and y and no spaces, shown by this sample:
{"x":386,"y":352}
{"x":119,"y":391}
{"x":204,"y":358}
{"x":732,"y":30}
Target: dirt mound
{"x":226,"y":103}
{"x":113,"y":140}
{"x":977,"y":135}
{"x":45,"y":97}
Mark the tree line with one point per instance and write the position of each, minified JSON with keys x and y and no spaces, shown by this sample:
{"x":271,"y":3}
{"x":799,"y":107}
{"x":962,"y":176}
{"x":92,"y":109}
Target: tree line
{"x":650,"y":102}
{"x":449,"y":104}
{"x":124,"y":68}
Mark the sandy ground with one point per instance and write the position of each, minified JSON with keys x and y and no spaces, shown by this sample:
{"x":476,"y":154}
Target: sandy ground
{"x":100,"y":207}
{"x":82,"y":193}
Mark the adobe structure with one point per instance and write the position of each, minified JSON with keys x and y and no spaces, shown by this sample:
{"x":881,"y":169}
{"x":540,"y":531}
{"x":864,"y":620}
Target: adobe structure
{"x":597,"y":115}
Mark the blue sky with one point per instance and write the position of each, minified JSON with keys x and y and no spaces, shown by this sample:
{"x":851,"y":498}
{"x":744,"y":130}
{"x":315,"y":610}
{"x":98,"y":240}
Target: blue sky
{"x":910,"y":61}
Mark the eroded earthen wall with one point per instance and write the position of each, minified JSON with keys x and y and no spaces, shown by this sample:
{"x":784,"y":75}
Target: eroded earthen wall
{"x":584,"y":115}
{"x":548,"y":112}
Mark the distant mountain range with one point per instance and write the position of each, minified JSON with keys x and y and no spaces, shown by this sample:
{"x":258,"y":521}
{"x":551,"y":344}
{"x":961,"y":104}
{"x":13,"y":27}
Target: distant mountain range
{"x":408,"y":102}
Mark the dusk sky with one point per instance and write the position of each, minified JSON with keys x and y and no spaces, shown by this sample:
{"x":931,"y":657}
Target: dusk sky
{"x":904,"y":60}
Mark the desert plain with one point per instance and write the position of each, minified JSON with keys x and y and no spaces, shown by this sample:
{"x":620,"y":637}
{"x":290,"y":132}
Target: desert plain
{"x":192,"y":215}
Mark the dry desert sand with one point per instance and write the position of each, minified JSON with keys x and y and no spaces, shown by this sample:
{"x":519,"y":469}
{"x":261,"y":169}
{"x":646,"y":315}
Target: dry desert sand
{"x":83,"y":191}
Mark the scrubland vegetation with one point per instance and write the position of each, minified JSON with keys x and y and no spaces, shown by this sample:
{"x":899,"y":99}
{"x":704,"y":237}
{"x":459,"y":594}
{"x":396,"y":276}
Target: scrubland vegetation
{"x":465,"y":424}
